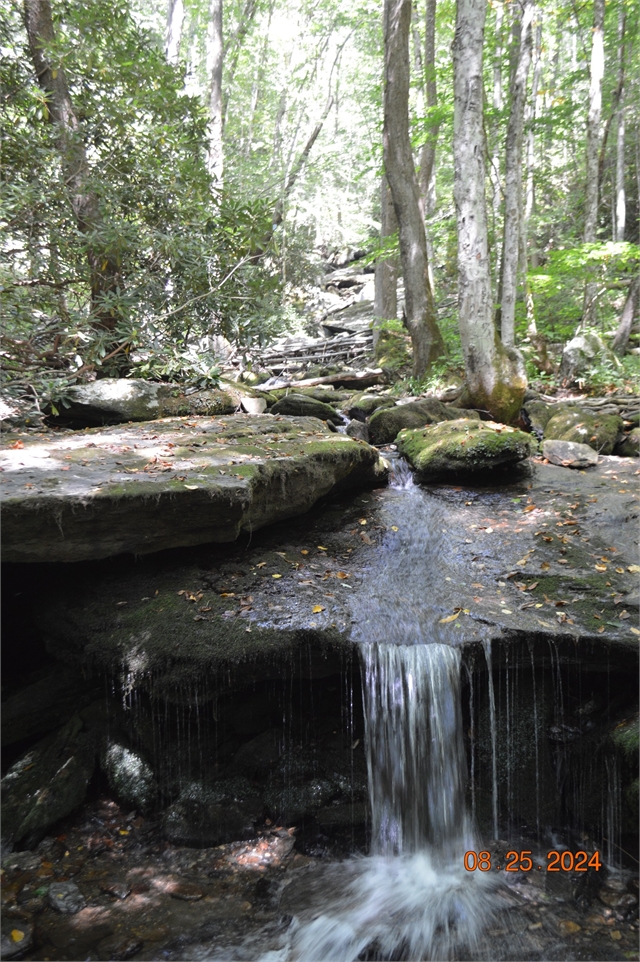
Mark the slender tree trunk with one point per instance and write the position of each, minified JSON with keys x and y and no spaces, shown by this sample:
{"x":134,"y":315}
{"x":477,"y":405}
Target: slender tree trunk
{"x":530,"y":119}
{"x":175,"y":20}
{"x":420,"y":314}
{"x":215,"y":60}
{"x":513,"y":180}
{"x":495,"y":175}
{"x":593,"y":141}
{"x":427,"y":171}
{"x":104,"y":273}
{"x":385,"y":306}
{"x":621,"y":203}
{"x":629,"y":312}
{"x":496,"y":380}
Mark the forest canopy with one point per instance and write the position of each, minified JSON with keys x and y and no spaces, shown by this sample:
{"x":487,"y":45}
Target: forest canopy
{"x":172,"y":172}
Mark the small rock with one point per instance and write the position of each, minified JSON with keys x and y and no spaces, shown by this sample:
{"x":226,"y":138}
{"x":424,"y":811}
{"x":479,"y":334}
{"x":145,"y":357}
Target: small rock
{"x":254,"y":405}
{"x":66,"y":897}
{"x":186,"y":891}
{"x":119,"y":890}
{"x":358,"y":429}
{"x":569,"y":454}
{"x":567,"y":927}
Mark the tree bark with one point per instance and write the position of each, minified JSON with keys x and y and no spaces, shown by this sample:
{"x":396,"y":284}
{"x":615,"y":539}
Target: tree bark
{"x":620,"y":214}
{"x":215,"y":60}
{"x":420,"y":314}
{"x":513,"y":180}
{"x":175,"y":20}
{"x":496,"y":380}
{"x":104,"y":273}
{"x":593,"y":140}
{"x":629,"y":311}
{"x":385,"y":305}
{"x":427,"y":171}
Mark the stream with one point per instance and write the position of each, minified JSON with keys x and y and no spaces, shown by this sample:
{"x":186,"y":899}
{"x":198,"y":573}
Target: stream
{"x":475,"y":754}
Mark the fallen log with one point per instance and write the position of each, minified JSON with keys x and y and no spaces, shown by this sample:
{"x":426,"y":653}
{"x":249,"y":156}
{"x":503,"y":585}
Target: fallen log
{"x":359,"y":380}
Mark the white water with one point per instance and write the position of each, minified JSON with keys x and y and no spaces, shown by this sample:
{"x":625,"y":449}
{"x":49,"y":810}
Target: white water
{"x":412,"y":899}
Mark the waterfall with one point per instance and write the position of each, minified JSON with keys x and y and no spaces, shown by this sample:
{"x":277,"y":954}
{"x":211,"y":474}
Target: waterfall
{"x":415,"y":749}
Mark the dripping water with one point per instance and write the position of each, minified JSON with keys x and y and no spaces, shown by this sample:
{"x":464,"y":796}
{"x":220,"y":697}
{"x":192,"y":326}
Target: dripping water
{"x":492,"y":721}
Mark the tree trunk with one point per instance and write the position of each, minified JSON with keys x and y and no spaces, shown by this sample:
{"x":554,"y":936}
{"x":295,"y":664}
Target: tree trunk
{"x":398,"y":160}
{"x":175,"y":20}
{"x":593,"y":140}
{"x":104,"y":273}
{"x":530,"y":118}
{"x":427,"y":172}
{"x":235,"y":46}
{"x":629,"y":311}
{"x":215,"y":59}
{"x":513,"y":180}
{"x":385,"y":305}
{"x":621,"y":204}
{"x":496,"y":380}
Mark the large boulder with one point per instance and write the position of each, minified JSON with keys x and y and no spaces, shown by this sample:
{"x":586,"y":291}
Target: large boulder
{"x":300,"y":405}
{"x":118,"y":400}
{"x":599,"y":431}
{"x":582,"y":351}
{"x":47,"y":783}
{"x":462,"y":447}
{"x":386,"y":423}
{"x":629,"y":445}
{"x":170,"y":484}
{"x":209,"y":816}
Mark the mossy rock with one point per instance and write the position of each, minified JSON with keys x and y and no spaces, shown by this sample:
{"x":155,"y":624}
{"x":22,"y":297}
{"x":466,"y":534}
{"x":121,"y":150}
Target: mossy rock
{"x":540,"y":413}
{"x":462,"y":447}
{"x":362,"y":406}
{"x":599,"y":431}
{"x":386,"y":423}
{"x":299,"y":405}
{"x":629,"y":445}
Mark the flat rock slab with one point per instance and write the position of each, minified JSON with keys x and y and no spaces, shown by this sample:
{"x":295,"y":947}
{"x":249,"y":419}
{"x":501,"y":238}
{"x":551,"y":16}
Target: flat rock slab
{"x":171,"y":483}
{"x":569,"y":454}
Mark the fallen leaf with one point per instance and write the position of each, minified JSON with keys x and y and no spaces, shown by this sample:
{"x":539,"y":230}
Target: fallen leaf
{"x":276,"y":576}
{"x":342,"y":575}
{"x":522,"y":561}
{"x":317,"y":609}
{"x":623,"y":615}
{"x":303,"y":551}
{"x":445,"y":621}
{"x":227,"y":594}
{"x":363,"y":521}
{"x":394,"y":527}
{"x":530,"y":507}
{"x":600,"y":567}
{"x":634,"y":569}
{"x":261,"y":564}
{"x":534,"y":584}
{"x":365,"y":537}
{"x":17,"y":935}
{"x":636,"y":631}
{"x":320,"y":548}
{"x":506,"y":611}
{"x":15,"y":446}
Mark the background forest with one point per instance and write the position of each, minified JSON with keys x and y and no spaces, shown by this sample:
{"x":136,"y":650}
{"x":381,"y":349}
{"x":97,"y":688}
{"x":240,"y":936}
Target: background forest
{"x":206,"y":163}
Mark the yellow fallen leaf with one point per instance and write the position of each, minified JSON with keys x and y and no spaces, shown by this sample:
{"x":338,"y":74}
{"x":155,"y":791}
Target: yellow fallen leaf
{"x":601,"y":567}
{"x":444,"y":621}
{"x":506,"y":611}
{"x":122,"y":831}
{"x":303,"y":551}
{"x":636,"y":631}
{"x":342,"y":575}
{"x":320,"y":548}
{"x":316,"y":609}
{"x":276,"y":576}
{"x":191,"y":487}
{"x":545,"y":565}
{"x":363,"y":520}
{"x":634,"y":569}
{"x":394,"y":527}
{"x":619,"y":571}
{"x":17,"y":935}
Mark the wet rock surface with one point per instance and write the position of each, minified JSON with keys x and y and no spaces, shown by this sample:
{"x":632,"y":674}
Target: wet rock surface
{"x":462,"y":447}
{"x":171,"y":483}
{"x":386,"y":422}
{"x":569,"y":454}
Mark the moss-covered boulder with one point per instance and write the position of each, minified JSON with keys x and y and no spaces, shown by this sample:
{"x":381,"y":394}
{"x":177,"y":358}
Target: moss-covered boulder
{"x":462,"y":447}
{"x":539,"y":414}
{"x":393,"y":351}
{"x":629,"y":445}
{"x":599,"y":431}
{"x":362,"y":406}
{"x":300,"y":405}
{"x":118,"y":400}
{"x":386,"y":423}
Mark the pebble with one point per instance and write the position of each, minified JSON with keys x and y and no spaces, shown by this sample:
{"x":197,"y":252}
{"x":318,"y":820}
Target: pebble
{"x":66,"y":897}
{"x":568,"y":928}
{"x":186,"y":891}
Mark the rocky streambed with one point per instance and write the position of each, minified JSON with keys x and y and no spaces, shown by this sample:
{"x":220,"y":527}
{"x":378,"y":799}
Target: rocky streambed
{"x":183,"y":728}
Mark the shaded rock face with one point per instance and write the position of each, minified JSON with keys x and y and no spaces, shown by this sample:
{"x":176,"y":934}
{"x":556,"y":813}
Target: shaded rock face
{"x":569,"y":454}
{"x":629,"y":446}
{"x":143,"y":488}
{"x":47,"y":783}
{"x":386,"y":423}
{"x":463,"y":446}
{"x":129,"y":775}
{"x":362,"y":406}
{"x":300,"y":405}
{"x":207,"y":816}
{"x":600,"y":432}
{"x":118,"y":400}
{"x":358,"y":430}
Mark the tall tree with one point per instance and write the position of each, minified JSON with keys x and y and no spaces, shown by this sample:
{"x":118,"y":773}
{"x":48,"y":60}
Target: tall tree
{"x":496,"y":380}
{"x":104,"y":273}
{"x":620,"y":211}
{"x":215,"y":60}
{"x":173,"y":36}
{"x":512,"y":229}
{"x":420,"y":316}
{"x":593,"y":142}
{"x":427,"y":172}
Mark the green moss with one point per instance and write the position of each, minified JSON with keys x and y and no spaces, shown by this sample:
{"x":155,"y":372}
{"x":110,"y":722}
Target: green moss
{"x":600,"y":432}
{"x":461,"y":446}
{"x":626,"y":737}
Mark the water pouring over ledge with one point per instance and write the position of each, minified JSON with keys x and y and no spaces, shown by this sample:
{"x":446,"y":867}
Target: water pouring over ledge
{"x":412,"y":898}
